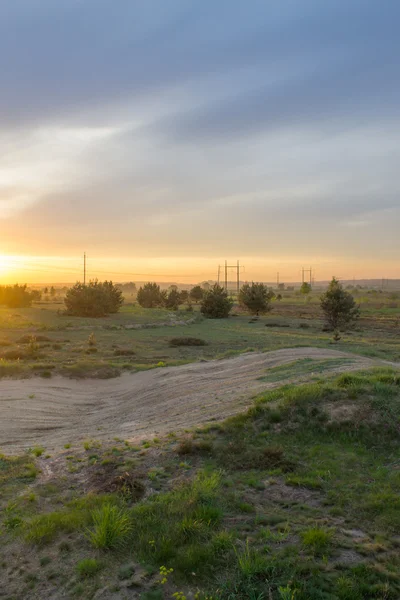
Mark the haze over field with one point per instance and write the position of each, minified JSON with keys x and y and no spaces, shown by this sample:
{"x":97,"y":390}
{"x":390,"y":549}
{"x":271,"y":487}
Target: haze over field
{"x":176,"y":134}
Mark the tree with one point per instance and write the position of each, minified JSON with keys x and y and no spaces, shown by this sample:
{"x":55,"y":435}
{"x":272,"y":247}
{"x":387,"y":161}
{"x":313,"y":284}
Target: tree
{"x":93,"y":300}
{"x":36,"y":295}
{"x":305,"y":288}
{"x":215,"y":303}
{"x":184,"y":296}
{"x":256,"y":298}
{"x":196,"y":293}
{"x":173,"y":299}
{"x":16,"y":296}
{"x":339,"y":307}
{"x":52,"y":291}
{"x":150,"y":296}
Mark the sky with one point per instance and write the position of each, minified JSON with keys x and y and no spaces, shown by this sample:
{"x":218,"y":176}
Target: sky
{"x":165,"y":136}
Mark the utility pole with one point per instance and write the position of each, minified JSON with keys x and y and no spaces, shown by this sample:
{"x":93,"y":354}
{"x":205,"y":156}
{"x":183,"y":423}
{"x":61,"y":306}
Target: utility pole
{"x":84,"y":268}
{"x":303,"y":271}
{"x":277,"y":281}
{"x":237,"y":268}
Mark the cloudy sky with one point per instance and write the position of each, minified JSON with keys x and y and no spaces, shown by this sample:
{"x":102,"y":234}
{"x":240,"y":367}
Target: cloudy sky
{"x":163,"y":136}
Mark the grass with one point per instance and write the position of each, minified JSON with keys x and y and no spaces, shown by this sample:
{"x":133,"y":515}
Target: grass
{"x":316,"y":539}
{"x":302,"y":506}
{"x":111,"y":527}
{"x":88,"y":567}
{"x":302,"y":368}
{"x":137,"y":338}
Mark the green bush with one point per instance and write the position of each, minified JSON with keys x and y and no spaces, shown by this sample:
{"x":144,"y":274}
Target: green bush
{"x":256,"y":298}
{"x":172,"y":300}
{"x":215,"y":303}
{"x":93,"y":300}
{"x":150,"y":296}
{"x":196,"y":293}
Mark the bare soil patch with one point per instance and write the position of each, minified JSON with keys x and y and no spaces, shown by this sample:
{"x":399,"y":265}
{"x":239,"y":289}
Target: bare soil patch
{"x":54,"y":412}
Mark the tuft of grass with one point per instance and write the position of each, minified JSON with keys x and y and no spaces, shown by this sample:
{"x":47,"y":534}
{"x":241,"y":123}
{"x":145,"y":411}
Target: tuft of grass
{"x":37,"y":451}
{"x":88,"y":567}
{"x":250,"y":561}
{"x":111,"y":527}
{"x":316,"y":539}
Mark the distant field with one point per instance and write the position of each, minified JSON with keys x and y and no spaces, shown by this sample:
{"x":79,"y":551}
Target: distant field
{"x":138,"y":338}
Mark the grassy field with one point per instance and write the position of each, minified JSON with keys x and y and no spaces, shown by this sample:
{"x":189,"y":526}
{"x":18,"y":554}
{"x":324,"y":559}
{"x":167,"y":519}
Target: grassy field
{"x":297,"y":499}
{"x":41,"y":341}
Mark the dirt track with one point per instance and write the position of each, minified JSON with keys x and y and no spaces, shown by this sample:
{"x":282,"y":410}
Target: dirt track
{"x":140,"y":405}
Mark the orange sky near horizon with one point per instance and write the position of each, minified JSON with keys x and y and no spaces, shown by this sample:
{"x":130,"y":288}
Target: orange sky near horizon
{"x":56,"y":269}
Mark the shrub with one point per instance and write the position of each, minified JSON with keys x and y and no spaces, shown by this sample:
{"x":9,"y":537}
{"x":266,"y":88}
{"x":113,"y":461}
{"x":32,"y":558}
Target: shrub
{"x":196,"y":293}
{"x":215,"y":303}
{"x":256,"y":298}
{"x":150,"y":296}
{"x":305,"y":288}
{"x":172,"y":300}
{"x":339,"y":307}
{"x":187,"y":341}
{"x":111,"y":527}
{"x":93,"y":300}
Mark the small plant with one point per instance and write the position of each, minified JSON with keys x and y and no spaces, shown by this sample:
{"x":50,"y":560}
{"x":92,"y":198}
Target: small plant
{"x":164,"y":574}
{"x":286,"y":593}
{"x":88,"y":567}
{"x":316,"y":539}
{"x":44,"y":560}
{"x":67,"y":446}
{"x":111,"y":527}
{"x":37,"y":451}
{"x":249,"y":561}
{"x":126,"y":571}
{"x":92,"y":339}
{"x":33,"y":346}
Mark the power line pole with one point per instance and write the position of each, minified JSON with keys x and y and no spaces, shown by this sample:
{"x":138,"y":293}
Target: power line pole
{"x":277,"y":280}
{"x":238,"y":277}
{"x":303,"y":271}
{"x":84,"y":268}
{"x":219,"y":271}
{"x":226,"y":275}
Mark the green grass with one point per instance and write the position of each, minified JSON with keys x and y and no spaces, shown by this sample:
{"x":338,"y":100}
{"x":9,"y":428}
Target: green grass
{"x":303,"y":368}
{"x":137,"y":338}
{"x":111,"y":527}
{"x":88,"y":567}
{"x":297,"y":498}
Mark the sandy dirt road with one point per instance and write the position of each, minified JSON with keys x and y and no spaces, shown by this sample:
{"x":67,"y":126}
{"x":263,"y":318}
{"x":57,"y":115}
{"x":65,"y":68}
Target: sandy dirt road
{"x":141,"y":405}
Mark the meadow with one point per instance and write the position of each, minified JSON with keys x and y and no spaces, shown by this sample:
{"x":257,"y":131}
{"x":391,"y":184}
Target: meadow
{"x":41,"y":341}
{"x":294,"y":498}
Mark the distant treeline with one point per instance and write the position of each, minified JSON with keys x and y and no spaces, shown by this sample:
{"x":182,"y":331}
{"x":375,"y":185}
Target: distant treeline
{"x":18,"y":296}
